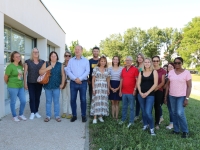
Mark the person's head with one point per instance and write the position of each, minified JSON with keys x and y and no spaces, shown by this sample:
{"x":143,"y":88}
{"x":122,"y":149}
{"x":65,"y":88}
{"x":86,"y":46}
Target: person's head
{"x":147,"y":64}
{"x":16,"y":57}
{"x":165,"y":67}
{"x":102,"y":62}
{"x":34,"y":53}
{"x":53,"y":57}
{"x":178,"y":62}
{"x":139,"y":59}
{"x":129,"y":61}
{"x":78,"y":50}
{"x":67,"y":56}
{"x":156,"y":61}
{"x":170,"y":66}
{"x":95,"y":52}
{"x":115,"y":61}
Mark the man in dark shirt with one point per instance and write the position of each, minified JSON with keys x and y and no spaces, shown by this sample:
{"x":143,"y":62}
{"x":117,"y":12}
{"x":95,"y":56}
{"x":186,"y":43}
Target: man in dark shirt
{"x":93,"y":62}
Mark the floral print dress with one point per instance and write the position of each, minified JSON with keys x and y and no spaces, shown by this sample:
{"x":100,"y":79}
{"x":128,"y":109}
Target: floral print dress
{"x":100,"y":105}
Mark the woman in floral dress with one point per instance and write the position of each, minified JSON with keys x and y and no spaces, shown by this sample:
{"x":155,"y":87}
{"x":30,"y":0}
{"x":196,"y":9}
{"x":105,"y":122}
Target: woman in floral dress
{"x":100,"y":84}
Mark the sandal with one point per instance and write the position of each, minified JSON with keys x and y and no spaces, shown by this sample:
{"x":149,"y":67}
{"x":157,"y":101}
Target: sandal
{"x":58,"y":119}
{"x":46,"y":119}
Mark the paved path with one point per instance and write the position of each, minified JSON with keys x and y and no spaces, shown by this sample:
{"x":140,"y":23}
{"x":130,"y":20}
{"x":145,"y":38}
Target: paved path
{"x":39,"y":135}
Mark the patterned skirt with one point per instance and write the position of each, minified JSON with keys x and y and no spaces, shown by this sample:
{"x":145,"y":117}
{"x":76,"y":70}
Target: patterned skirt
{"x":100,"y":105}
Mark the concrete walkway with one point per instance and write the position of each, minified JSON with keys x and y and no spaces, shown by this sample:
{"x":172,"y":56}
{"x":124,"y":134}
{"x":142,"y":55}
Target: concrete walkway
{"x":39,"y":135}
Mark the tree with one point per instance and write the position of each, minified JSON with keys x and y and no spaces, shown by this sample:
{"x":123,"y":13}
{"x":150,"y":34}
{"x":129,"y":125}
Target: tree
{"x":72,"y":47}
{"x":189,"y":48}
{"x":66,"y":47}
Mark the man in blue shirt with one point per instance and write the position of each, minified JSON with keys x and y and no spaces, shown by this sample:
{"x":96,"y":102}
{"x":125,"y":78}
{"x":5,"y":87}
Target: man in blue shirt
{"x":78,"y":69}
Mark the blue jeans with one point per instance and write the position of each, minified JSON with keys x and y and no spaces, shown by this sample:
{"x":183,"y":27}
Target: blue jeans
{"x":178,"y":113}
{"x":55,"y":95}
{"x":146,"y":105}
{"x":170,"y":110}
{"x":128,"y":100}
{"x":82,"y":88}
{"x":14,"y":93}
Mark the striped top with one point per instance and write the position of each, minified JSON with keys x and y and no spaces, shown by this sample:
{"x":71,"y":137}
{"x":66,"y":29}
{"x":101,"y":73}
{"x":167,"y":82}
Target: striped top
{"x":115,"y":74}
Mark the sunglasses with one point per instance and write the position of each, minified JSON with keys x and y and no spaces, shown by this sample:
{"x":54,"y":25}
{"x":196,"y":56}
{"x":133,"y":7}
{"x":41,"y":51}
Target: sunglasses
{"x":156,"y":61}
{"x":67,"y":55}
{"x":177,"y":63}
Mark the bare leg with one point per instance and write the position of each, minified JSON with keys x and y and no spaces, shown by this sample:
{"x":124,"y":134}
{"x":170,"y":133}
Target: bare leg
{"x":113,"y":108}
{"x":117,"y":108}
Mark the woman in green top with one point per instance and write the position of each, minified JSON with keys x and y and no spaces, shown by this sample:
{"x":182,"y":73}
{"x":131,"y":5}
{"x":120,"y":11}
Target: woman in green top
{"x":14,"y":79}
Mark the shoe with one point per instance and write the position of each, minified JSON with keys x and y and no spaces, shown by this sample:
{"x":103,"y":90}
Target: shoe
{"x":94,"y":121}
{"x":136,"y":118}
{"x":152,"y":132}
{"x":73,"y":118}
{"x":69,"y":117}
{"x":101,"y":119}
{"x":47,"y":119}
{"x":58,"y":119}
{"x":170,"y":126}
{"x":185,"y":135}
{"x":157,"y":127}
{"x":64,"y":115}
{"x":84,"y":119}
{"x":32,"y":116}
{"x":174,"y":132}
{"x":121,"y":122}
{"x":161,"y":120}
{"x":22,"y":117}
{"x":16,"y":119}
{"x":145,"y":127}
{"x":37,"y":115}
{"x":129,"y":125}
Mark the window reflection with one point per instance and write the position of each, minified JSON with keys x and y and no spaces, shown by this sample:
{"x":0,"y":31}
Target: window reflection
{"x":7,"y":38}
{"x":18,"y":42}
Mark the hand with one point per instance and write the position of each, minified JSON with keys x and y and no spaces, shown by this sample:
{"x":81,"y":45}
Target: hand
{"x":116,"y":89}
{"x":185,"y":103}
{"x":134,"y":92}
{"x":94,"y":93}
{"x":156,"y":89}
{"x":165,"y":100}
{"x":120,"y":93}
{"x":25,"y":86}
{"x":89,"y":82}
{"x":78,"y":81}
{"x":61,"y":86}
{"x":108,"y":91}
{"x":49,"y":67}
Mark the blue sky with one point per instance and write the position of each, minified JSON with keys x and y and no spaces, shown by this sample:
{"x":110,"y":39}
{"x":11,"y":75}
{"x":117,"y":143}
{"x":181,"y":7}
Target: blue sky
{"x":91,"y":21}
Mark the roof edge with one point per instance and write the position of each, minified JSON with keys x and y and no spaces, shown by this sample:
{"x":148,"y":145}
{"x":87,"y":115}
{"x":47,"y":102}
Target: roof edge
{"x":51,"y":15}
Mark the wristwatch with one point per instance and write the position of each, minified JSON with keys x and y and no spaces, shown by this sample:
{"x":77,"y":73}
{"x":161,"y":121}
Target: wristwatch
{"x":187,"y":98}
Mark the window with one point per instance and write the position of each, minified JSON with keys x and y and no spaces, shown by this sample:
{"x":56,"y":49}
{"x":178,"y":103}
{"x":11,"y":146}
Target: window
{"x":7,"y":38}
{"x":49,"y":50}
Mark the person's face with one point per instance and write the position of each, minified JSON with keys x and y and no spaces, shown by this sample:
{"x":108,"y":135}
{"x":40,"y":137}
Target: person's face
{"x":139,"y":59}
{"x":177,"y":64}
{"x":165,"y":68}
{"x":67,"y":56}
{"x":95,"y":53}
{"x":147,"y":64}
{"x":53,"y":57}
{"x":102,"y":62}
{"x":115,"y":60}
{"x":17,"y":57}
{"x":128,"y":62}
{"x":78,"y":51}
{"x":156,"y":61}
{"x":170,"y":67}
{"x":35,"y":53}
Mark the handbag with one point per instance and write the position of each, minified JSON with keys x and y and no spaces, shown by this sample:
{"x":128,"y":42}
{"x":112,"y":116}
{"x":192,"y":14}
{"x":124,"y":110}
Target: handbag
{"x":44,"y":79}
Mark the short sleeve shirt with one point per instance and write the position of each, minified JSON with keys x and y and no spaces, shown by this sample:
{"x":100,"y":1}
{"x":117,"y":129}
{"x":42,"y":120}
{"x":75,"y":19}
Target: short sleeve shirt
{"x":15,"y":76}
{"x":115,"y":74}
{"x":129,"y":79}
{"x":178,"y":85}
{"x":93,"y":64}
{"x":161,"y":72}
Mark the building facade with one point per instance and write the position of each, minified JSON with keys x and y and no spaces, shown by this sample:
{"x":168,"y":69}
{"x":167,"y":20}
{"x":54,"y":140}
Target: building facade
{"x":25,"y":24}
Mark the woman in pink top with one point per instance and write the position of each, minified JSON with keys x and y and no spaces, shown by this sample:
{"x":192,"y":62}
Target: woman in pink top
{"x":179,"y":86}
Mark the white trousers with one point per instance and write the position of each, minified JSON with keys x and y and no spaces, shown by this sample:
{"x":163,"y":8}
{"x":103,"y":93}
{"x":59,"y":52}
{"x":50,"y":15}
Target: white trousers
{"x":66,"y":99}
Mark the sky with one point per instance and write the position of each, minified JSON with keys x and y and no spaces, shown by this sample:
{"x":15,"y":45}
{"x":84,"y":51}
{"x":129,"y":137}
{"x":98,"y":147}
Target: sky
{"x":90,"y":21}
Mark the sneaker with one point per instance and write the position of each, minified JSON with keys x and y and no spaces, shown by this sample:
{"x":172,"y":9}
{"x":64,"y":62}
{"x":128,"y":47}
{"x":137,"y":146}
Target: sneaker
{"x":136,"y":118}
{"x":152,"y":132}
{"x":94,"y":121}
{"x":32,"y":116}
{"x":101,"y":119}
{"x":69,"y":117}
{"x":161,"y":120}
{"x":185,"y":135}
{"x":16,"y":119}
{"x":170,"y":126}
{"x":22,"y":117}
{"x":129,"y":125}
{"x":157,"y":127}
{"x":63,"y":115}
{"x":37,"y":115}
{"x":121,"y":122}
{"x":145,"y":127}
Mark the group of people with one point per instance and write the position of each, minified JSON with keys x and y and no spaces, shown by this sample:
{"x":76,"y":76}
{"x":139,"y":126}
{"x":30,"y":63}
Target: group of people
{"x":140,"y":87}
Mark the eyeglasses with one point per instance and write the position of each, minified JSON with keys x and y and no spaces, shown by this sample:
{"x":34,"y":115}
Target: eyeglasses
{"x":67,"y":55}
{"x":155,"y":60}
{"x":177,"y":63}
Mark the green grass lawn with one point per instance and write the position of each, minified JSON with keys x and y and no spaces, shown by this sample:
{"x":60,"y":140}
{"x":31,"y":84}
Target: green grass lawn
{"x":111,"y":136}
{"x":195,"y":77}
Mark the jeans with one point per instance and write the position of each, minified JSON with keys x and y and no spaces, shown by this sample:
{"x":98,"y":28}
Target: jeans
{"x":137,"y":107}
{"x":34,"y":90}
{"x":82,"y":88}
{"x":157,"y":105}
{"x":55,"y":95}
{"x":14,"y":93}
{"x":178,"y":113}
{"x":170,"y":111}
{"x":128,"y":100}
{"x":146,"y":105}
{"x":90,"y":91}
